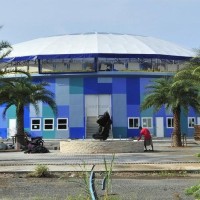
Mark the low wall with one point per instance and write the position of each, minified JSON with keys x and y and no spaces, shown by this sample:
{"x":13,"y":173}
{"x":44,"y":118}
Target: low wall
{"x":91,"y":146}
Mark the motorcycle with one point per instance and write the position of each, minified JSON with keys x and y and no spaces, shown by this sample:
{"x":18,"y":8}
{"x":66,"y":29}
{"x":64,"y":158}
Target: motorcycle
{"x":35,"y":145}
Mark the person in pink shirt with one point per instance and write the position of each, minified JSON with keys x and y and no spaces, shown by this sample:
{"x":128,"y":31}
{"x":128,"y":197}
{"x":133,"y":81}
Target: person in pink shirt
{"x":147,"y":137}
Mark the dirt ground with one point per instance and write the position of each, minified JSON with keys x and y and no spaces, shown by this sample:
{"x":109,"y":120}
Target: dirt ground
{"x":19,"y":186}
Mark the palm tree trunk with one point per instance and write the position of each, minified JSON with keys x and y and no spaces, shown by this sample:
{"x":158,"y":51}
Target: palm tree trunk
{"x":176,"y":135}
{"x":20,"y":136}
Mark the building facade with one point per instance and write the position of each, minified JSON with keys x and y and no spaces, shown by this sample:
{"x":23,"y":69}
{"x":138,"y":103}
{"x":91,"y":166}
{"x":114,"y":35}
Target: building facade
{"x":94,"y":73}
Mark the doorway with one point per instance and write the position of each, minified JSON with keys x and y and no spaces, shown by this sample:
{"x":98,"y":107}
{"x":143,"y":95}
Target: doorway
{"x":12,"y":128}
{"x":159,"y":127}
{"x":95,"y":105}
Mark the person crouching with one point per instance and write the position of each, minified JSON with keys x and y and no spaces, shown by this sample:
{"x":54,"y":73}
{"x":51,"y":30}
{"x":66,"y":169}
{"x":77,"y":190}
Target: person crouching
{"x":147,"y":137}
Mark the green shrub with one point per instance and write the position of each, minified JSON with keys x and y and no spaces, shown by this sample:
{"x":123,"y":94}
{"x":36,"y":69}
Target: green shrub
{"x":194,"y":191}
{"x":40,"y":171}
{"x":198,"y":155}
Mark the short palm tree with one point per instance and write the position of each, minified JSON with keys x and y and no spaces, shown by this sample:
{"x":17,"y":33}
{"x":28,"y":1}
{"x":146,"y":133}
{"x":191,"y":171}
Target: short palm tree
{"x":164,"y":92}
{"x":20,"y":93}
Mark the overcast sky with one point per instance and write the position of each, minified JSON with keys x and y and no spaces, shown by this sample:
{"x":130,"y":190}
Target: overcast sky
{"x":177,"y":21}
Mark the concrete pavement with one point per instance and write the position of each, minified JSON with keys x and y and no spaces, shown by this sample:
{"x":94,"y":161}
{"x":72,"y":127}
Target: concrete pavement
{"x":164,"y":158}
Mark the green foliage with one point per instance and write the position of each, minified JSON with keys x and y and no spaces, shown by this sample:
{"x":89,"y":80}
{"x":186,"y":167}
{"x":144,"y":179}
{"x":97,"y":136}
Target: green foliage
{"x":108,"y":173}
{"x":172,"y":173}
{"x":176,"y":95}
{"x":22,"y":92}
{"x":194,"y":191}
{"x":85,"y":185}
{"x":40,"y":171}
{"x":5,"y":49}
{"x":173,"y":93}
{"x":198,"y":155}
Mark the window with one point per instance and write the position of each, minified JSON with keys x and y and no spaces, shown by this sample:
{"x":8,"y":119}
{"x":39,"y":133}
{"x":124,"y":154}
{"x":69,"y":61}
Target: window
{"x":35,"y":124}
{"x":133,"y":122}
{"x":191,"y":122}
{"x":147,"y":122}
{"x":170,"y":122}
{"x":48,"y":124}
{"x":62,"y":124}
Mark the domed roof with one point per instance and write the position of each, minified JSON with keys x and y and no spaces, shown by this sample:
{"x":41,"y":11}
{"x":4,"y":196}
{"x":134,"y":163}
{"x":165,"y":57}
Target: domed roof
{"x":90,"y":44}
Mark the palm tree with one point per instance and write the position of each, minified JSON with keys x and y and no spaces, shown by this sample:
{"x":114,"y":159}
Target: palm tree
{"x":191,"y":72}
{"x":20,"y":93}
{"x":164,"y":92}
{"x":5,"y":49}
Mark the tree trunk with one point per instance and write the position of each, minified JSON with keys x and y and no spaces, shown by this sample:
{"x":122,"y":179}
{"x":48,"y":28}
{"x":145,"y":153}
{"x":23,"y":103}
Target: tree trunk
{"x":20,"y":136}
{"x":176,"y":135}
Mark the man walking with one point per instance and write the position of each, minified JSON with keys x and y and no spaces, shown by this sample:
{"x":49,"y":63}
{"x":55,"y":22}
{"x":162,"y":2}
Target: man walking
{"x":147,"y":137}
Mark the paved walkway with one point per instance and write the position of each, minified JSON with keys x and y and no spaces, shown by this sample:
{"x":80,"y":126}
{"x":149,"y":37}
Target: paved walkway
{"x":164,"y":157}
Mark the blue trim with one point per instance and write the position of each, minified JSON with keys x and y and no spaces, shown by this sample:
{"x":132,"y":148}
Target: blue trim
{"x":22,"y":58}
{"x":95,"y":55}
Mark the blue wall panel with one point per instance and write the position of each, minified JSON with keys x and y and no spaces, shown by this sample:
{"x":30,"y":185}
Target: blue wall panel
{"x":51,"y":82}
{"x":90,"y":86}
{"x":119,"y":132}
{"x":104,"y":88}
{"x":62,"y":91}
{"x":64,"y":134}
{"x":39,"y":134}
{"x":76,"y":110}
{"x":133,"y":110}
{"x":133,"y":91}
{"x":3,"y":121}
{"x":168,"y":132}
{"x":119,"y":86}
{"x":76,"y":85}
{"x":11,"y":112}
{"x":76,"y":133}
{"x":119,"y":110}
{"x":3,"y":133}
{"x":104,"y":80}
{"x":47,"y":111}
{"x":26,"y":117}
{"x":133,"y":133}
{"x":48,"y":134}
{"x":143,"y":83}
{"x":63,"y":111}
{"x":147,"y":113}
{"x":161,"y":112}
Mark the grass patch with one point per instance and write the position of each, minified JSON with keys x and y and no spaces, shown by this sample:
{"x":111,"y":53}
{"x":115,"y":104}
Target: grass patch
{"x":198,"y":155}
{"x":194,"y":191}
{"x":40,"y":172}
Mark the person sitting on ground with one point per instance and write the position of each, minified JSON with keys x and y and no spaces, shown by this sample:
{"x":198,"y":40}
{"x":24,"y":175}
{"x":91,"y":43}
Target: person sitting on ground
{"x":147,"y":137}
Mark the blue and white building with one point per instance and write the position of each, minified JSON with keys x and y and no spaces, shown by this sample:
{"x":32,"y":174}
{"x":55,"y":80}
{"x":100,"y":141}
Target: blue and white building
{"x":93,"y":73}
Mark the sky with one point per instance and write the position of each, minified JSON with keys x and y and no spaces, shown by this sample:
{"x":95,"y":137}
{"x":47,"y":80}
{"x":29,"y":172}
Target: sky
{"x":177,"y":21}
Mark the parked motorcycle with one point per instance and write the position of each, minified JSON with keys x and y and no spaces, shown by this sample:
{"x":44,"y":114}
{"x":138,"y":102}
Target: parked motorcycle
{"x":35,"y":145}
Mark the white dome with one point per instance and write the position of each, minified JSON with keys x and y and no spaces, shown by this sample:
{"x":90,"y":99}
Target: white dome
{"x":98,"y":43}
